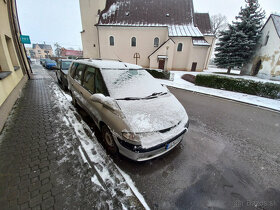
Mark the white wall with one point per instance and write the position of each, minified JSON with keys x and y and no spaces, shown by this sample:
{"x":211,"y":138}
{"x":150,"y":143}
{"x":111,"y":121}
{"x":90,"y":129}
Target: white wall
{"x":269,"y":54}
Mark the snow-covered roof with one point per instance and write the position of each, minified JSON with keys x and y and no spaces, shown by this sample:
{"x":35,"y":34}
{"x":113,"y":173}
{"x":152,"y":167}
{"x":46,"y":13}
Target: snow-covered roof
{"x":276,"y":21}
{"x":147,"y":12}
{"x":200,"y":42}
{"x":184,"y":30}
{"x":202,"y":21}
{"x":109,"y":64}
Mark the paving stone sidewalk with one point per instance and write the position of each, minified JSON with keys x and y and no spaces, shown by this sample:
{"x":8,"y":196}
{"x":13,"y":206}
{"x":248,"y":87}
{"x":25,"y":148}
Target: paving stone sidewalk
{"x":39,"y":169}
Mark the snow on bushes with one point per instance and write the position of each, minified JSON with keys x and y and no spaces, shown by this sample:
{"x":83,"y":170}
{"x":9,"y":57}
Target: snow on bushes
{"x":268,"y":90}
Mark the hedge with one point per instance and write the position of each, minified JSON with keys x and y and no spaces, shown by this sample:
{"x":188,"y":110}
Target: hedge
{"x":268,"y":90}
{"x":159,"y":74}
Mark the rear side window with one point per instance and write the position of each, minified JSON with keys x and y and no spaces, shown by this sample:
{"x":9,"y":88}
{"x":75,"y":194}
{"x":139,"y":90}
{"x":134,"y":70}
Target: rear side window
{"x":89,"y":76}
{"x":79,"y":73}
{"x":73,"y":68}
{"x":100,"y":85}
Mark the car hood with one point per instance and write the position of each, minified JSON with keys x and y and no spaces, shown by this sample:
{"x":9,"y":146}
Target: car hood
{"x":149,"y":115}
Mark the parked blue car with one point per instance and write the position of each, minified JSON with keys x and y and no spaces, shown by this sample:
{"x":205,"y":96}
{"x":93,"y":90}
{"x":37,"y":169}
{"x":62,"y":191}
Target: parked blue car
{"x":50,"y":64}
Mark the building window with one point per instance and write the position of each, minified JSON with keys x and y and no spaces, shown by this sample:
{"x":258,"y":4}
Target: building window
{"x":112,"y":41}
{"x":156,"y":42}
{"x":133,"y":42}
{"x":12,"y":52}
{"x":266,"y":39}
{"x":180,"y":47}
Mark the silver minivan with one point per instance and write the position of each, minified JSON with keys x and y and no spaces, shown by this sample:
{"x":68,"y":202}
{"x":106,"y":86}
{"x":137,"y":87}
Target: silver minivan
{"x":137,"y":116}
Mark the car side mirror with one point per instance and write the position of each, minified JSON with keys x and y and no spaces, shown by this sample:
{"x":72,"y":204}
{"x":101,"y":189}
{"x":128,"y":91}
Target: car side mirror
{"x":106,"y":101}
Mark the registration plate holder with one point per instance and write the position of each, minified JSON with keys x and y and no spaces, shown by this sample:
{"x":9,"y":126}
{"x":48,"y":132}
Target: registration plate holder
{"x":173,"y":143}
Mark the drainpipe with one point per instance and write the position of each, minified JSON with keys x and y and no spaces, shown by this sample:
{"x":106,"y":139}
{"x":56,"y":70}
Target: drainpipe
{"x":99,"y":53}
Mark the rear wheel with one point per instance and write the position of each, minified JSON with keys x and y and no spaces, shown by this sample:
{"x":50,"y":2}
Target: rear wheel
{"x":109,"y":141}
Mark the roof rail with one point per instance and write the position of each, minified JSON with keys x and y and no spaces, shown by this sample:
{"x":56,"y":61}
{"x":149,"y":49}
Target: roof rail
{"x":100,"y":59}
{"x":81,"y":58}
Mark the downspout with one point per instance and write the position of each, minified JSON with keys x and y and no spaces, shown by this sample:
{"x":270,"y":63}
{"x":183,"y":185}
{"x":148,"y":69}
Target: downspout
{"x":99,"y":52}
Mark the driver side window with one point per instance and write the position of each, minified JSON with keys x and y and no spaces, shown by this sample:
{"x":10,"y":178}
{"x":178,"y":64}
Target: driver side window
{"x":100,"y":85}
{"x":89,"y":76}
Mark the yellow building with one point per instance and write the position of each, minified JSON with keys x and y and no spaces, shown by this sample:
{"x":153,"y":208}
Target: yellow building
{"x":14,"y":67}
{"x":40,"y":51}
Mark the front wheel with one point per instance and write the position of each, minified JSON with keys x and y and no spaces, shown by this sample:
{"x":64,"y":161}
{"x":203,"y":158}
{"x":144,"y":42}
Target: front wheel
{"x":109,"y":141}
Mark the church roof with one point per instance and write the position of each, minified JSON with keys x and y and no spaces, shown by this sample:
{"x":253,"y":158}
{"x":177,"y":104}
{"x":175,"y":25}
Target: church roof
{"x":202,"y":21}
{"x":147,"y":12}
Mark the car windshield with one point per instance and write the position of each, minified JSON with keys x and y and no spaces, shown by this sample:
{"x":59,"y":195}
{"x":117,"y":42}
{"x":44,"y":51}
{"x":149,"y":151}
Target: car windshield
{"x":131,"y":84}
{"x":65,"y":65}
{"x":50,"y":61}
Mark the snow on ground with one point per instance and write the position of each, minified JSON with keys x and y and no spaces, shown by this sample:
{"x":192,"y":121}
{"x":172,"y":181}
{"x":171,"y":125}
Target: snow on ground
{"x":108,"y":173}
{"x":133,"y":188}
{"x":178,"y":82}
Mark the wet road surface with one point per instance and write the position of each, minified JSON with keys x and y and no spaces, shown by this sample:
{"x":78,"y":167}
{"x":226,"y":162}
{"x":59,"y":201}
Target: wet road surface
{"x":229,"y":159}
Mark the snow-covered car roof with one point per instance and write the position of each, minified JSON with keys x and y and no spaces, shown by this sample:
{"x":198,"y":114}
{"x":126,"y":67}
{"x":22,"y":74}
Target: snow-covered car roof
{"x":109,"y":64}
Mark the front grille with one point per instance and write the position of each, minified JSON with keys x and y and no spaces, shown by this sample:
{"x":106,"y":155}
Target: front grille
{"x":138,"y":148}
{"x":168,"y":129}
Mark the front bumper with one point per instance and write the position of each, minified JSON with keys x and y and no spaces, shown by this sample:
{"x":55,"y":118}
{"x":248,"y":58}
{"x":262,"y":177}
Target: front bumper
{"x":138,"y":153}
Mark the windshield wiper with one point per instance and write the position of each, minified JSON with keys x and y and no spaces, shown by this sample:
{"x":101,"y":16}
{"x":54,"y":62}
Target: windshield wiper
{"x":147,"y":97}
{"x":129,"y":98}
{"x":156,"y":94}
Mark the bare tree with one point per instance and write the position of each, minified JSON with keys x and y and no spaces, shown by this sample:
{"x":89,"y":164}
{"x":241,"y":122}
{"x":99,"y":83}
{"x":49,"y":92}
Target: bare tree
{"x":219,"y":23}
{"x":57,"y":49}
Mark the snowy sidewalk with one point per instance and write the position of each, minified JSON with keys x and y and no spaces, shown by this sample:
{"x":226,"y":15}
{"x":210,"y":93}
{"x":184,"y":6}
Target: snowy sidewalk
{"x":178,"y":82}
{"x":50,"y":160}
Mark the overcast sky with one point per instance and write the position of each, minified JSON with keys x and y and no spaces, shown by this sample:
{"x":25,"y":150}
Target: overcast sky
{"x":59,"y":21}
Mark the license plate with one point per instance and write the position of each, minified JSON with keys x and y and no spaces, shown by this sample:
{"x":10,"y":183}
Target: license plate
{"x":173,"y":143}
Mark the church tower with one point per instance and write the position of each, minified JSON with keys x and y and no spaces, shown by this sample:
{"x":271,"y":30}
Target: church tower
{"x":90,"y":10}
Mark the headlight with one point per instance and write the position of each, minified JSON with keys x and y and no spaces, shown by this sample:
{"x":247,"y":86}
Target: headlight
{"x":129,"y":136}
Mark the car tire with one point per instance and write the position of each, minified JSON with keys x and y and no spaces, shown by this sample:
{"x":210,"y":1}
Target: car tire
{"x":109,"y":141}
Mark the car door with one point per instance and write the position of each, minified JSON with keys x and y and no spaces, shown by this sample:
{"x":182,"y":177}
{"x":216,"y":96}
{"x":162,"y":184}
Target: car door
{"x":88,"y":91}
{"x":76,"y":83}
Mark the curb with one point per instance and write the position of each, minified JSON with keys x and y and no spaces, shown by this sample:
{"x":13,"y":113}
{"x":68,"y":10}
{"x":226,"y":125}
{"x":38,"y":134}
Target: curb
{"x":228,"y":99}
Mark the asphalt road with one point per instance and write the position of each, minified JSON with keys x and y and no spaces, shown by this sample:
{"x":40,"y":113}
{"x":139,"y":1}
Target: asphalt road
{"x":229,"y":159}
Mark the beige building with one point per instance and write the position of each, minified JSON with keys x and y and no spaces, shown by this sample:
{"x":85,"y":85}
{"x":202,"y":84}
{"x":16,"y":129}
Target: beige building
{"x":266,"y":61}
{"x":14,"y":67}
{"x":40,"y":51}
{"x":152,"y":33}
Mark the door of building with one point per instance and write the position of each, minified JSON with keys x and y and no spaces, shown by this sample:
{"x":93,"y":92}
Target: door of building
{"x":194,"y":64}
{"x":161,"y":63}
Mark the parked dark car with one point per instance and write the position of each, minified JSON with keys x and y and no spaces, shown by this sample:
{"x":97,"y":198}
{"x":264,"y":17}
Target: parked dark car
{"x":62,"y":71}
{"x":42,"y":61}
{"x":50,"y":64}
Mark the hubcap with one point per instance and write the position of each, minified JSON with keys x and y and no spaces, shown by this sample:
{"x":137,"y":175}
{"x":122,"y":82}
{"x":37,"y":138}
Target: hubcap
{"x":109,"y":139}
